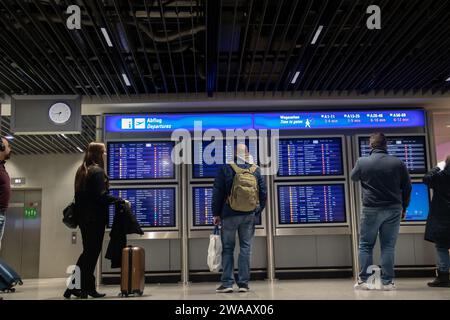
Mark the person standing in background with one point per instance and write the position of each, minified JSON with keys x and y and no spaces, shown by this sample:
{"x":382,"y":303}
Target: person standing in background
{"x":438,"y":222}
{"x":5,"y":185}
{"x":232,"y":207}
{"x":92,"y":200}
{"x":386,"y":191}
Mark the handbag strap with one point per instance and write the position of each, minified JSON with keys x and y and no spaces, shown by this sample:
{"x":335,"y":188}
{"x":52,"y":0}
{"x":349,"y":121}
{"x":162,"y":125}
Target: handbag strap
{"x":216,"y":230}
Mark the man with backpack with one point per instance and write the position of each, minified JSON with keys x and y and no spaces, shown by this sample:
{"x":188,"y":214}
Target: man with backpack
{"x":239,"y":196}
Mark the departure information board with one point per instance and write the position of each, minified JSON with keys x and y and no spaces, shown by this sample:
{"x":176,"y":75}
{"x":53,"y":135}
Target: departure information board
{"x":311,"y":204}
{"x":420,"y":203}
{"x":411,"y":150}
{"x":153,"y":207}
{"x":202,"y":207}
{"x":208,"y":157}
{"x":140,"y":160}
{"x":310,"y":157}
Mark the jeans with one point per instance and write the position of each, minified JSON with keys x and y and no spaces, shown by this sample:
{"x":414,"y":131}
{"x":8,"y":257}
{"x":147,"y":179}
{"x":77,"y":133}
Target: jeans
{"x":245,"y":227}
{"x":443,"y":258}
{"x":2,"y":226}
{"x":386,"y":222}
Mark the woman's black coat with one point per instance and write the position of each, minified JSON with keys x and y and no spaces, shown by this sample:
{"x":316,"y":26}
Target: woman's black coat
{"x":438,"y":223}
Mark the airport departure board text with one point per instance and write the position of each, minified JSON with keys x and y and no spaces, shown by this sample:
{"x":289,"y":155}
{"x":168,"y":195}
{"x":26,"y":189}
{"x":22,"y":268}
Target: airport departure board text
{"x":204,"y":155}
{"x":311,"y":204}
{"x":202,"y":207}
{"x":140,"y":160}
{"x":410,"y":150}
{"x":153,"y":207}
{"x":310,"y":157}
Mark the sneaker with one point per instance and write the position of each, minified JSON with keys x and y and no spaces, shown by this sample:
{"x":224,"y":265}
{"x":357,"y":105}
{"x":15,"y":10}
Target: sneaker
{"x":360,"y":285}
{"x":243,"y":288}
{"x":389,"y":287}
{"x":223,"y":289}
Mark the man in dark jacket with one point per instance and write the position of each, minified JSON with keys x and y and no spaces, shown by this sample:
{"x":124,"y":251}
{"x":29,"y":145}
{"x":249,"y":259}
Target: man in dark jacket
{"x":386,"y":189}
{"x":438,"y":223}
{"x":236,"y":221}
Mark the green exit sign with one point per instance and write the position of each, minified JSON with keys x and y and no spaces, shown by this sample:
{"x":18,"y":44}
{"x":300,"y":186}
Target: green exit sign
{"x":30,"y":213}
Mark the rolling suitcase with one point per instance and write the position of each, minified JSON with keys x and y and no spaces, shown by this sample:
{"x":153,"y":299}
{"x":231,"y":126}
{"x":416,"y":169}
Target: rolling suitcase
{"x":133,"y":271}
{"x":8,"y":278}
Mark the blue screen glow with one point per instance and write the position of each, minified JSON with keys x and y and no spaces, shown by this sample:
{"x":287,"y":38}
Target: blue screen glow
{"x":411,"y":150}
{"x":339,"y":120}
{"x":306,"y":204}
{"x":224,"y":151}
{"x":140,"y":160}
{"x":274,"y":120}
{"x":419,"y":205}
{"x":170,"y":122}
{"x":310,"y":157}
{"x":153,"y":207}
{"x":202,"y":207}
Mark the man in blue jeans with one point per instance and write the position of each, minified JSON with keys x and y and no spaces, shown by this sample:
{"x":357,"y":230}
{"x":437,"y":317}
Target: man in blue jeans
{"x":225,"y":198}
{"x":386,"y":189}
{"x":5,"y":185}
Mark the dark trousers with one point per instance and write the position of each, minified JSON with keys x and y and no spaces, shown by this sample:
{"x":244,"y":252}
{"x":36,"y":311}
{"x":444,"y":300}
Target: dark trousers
{"x":92,"y":235}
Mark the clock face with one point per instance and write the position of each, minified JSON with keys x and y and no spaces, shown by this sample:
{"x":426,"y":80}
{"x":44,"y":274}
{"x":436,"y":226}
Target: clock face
{"x":60,"y":113}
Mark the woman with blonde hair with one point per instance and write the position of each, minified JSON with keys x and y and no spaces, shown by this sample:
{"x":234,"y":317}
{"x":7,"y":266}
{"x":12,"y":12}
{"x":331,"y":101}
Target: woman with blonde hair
{"x":92,"y":200}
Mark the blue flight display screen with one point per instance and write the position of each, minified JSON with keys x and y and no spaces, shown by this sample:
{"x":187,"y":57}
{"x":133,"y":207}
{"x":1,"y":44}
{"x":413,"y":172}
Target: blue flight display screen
{"x":411,"y":150}
{"x":310,"y":157}
{"x":209,"y":157}
{"x":311,"y":204}
{"x":202,"y":207}
{"x":153,"y":207}
{"x":140,"y":160}
{"x":351,"y":119}
{"x":419,"y":205}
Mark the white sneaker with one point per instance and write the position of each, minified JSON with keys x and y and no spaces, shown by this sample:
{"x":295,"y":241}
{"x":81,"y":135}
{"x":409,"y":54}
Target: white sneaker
{"x":361,"y":286}
{"x":389,"y":287}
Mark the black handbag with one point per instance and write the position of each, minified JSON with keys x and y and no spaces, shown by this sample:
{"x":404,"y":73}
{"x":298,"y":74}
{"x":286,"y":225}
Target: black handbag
{"x":69,"y":216}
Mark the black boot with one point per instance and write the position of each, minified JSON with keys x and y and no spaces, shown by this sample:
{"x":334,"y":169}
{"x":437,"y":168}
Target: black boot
{"x":69,"y":292}
{"x":442,"y":280}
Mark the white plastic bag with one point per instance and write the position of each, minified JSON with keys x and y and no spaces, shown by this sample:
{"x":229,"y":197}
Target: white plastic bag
{"x":215,"y":251}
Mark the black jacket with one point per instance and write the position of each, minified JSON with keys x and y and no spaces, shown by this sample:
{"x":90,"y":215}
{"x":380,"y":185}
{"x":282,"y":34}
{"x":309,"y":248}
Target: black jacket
{"x":385,"y":180}
{"x":92,"y":202}
{"x":124,"y":223}
{"x":438,"y":223}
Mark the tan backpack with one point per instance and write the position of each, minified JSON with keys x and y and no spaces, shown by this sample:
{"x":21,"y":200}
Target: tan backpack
{"x":244,"y":195}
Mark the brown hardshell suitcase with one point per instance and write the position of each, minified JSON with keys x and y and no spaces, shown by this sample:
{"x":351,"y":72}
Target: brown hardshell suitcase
{"x":133,"y":271}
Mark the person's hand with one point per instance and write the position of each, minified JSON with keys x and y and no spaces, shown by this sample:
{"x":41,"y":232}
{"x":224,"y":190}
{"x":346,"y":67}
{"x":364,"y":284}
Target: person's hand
{"x":441,"y":165}
{"x":403,"y":214}
{"x":216,"y":220}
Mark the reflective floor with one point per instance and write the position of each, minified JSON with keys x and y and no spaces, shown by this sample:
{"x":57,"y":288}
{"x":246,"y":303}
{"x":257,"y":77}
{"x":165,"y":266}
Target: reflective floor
{"x":279,"y":290}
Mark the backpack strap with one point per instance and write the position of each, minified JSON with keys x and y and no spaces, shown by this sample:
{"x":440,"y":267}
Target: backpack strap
{"x":238,"y":170}
{"x":253,"y":168}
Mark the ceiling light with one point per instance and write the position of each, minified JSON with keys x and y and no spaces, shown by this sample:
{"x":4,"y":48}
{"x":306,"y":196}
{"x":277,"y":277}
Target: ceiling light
{"x":79,"y":149}
{"x":316,"y":36}
{"x":448,"y":80}
{"x":127,"y":81}
{"x":64,"y":136}
{"x":107,"y":38}
{"x":9,"y":137}
{"x":294,"y":80}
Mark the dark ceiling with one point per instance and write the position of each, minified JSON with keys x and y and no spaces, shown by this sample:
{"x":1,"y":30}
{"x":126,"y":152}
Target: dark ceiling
{"x":51,"y":144}
{"x":229,"y":46}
